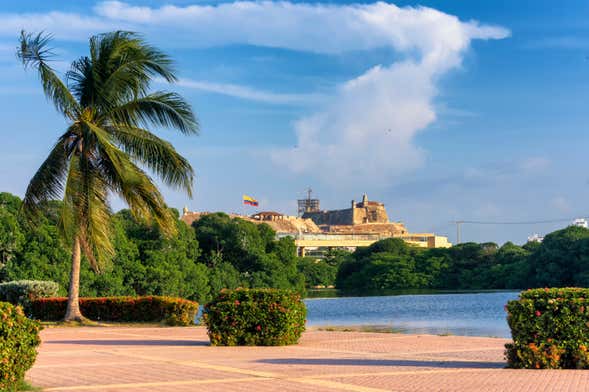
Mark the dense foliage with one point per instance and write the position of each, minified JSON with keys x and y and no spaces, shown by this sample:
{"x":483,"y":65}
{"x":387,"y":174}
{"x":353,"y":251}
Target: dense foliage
{"x":218,"y":252}
{"x":322,"y":272}
{"x":172,"y":311}
{"x":22,"y":292}
{"x":255,"y":317}
{"x":19,"y":338}
{"x":550,"y":329}
{"x":562,"y":259}
{"x":247,"y":253}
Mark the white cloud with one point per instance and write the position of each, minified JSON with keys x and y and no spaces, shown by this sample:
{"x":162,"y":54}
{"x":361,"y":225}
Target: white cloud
{"x":245,"y":92}
{"x":367,"y":128}
{"x":63,"y":25}
{"x":322,"y":28}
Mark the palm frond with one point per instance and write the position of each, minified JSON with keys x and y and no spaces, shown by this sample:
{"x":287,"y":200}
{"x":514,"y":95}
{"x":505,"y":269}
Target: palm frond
{"x":86,"y":213}
{"x":165,"y":109}
{"x":157,"y":154}
{"x":48,"y":182}
{"x":141,"y":195}
{"x":130,"y":63}
{"x":131,"y":183}
{"x":95,"y":239}
{"x":80,"y":79}
{"x":34,"y":52}
{"x":123,"y":66}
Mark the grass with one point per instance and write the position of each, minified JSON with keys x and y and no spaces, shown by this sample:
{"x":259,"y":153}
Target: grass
{"x":25,"y":386}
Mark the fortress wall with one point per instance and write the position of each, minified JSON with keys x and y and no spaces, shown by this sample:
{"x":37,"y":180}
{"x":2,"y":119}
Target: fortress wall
{"x":334,"y":217}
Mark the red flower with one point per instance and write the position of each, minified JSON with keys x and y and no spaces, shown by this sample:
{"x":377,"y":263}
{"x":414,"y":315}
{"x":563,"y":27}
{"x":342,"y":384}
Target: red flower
{"x":258,"y":328}
{"x":237,"y":302}
{"x":538,"y":313}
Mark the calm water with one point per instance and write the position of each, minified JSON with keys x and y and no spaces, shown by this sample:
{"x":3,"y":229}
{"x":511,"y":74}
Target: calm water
{"x":472,"y":314}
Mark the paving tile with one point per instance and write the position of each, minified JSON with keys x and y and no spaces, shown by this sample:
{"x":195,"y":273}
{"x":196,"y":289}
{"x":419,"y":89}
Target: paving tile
{"x":181,"y":359}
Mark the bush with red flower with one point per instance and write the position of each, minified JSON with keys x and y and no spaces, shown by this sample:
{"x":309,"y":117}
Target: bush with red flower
{"x":19,"y":338}
{"x":550,"y":329}
{"x":255,"y":317}
{"x":169,"y":310}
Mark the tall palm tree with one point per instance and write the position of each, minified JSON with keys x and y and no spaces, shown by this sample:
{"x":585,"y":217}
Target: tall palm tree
{"x":107,"y":147}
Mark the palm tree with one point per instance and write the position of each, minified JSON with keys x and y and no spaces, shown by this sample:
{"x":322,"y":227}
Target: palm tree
{"x":107,"y":147}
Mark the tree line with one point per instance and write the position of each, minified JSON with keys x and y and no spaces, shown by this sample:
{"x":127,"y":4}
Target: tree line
{"x":561,"y":260}
{"x":220,"y":252}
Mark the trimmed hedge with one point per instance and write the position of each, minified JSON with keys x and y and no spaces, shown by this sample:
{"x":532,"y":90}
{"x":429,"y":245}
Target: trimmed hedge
{"x":172,"y":311}
{"x":550,"y":329}
{"x":19,"y":337}
{"x":255,"y":317}
{"x":22,"y":292}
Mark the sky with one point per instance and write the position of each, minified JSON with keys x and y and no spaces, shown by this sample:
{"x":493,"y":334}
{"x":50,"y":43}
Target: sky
{"x":443,"y":110}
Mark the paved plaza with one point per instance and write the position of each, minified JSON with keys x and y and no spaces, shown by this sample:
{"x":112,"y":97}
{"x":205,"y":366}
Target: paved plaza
{"x":180,"y":359}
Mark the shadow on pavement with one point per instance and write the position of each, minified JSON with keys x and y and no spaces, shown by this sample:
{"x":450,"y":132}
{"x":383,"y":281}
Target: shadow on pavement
{"x":122,"y":342}
{"x":386,"y":362}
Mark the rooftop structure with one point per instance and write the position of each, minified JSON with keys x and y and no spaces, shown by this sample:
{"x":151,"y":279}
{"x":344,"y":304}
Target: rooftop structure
{"x":307,"y":205}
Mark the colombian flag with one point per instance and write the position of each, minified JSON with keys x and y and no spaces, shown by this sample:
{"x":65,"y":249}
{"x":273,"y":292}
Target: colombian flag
{"x":250,"y":201}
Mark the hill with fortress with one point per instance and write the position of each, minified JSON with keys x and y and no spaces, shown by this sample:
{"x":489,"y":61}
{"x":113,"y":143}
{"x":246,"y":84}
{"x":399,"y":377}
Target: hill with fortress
{"x":361,"y":224}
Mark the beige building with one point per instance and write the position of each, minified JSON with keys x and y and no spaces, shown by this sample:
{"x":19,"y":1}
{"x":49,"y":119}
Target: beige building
{"x":362,"y":224}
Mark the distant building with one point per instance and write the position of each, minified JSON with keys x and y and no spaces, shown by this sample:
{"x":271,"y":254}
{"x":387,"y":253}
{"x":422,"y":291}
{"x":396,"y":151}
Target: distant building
{"x":535,"y":238}
{"x":580,"y":222}
{"x":268,"y":216}
{"x":360,"y":225}
{"x":359,"y":213}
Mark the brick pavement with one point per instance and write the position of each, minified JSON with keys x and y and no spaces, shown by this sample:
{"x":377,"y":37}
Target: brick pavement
{"x":180,"y":359}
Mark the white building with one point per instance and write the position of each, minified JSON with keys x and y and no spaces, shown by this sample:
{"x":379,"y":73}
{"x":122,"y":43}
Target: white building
{"x":535,"y":238}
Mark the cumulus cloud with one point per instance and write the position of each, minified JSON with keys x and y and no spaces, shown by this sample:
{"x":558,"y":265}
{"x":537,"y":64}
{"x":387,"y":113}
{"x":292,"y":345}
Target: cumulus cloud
{"x":369,"y":125}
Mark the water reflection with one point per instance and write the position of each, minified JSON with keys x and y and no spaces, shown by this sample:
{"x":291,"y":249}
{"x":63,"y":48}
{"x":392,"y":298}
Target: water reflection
{"x":470,"y":314}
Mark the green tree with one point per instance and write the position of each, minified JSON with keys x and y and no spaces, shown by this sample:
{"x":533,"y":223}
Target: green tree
{"x":251,"y":249}
{"x":107,"y":103}
{"x":385,"y":265}
{"x":562,"y":259}
{"x":317,"y":272}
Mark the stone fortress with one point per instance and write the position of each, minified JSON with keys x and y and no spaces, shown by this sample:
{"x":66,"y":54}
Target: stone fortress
{"x":315,"y":230}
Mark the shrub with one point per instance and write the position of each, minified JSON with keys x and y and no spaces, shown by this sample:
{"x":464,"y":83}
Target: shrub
{"x":19,"y":338}
{"x":550,"y":329}
{"x":22,"y":292}
{"x":172,"y":311}
{"x":255,"y":317}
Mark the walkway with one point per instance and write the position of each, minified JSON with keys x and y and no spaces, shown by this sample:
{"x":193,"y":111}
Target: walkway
{"x":179,"y":359}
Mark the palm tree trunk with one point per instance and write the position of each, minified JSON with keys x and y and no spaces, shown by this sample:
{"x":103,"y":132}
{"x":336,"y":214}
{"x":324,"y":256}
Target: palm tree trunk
{"x":73,"y":303}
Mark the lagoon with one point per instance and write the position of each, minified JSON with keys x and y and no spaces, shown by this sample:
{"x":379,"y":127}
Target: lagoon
{"x":466,"y":314}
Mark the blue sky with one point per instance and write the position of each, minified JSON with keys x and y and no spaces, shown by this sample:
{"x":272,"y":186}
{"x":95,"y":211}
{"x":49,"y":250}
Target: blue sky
{"x":442,"y":110}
